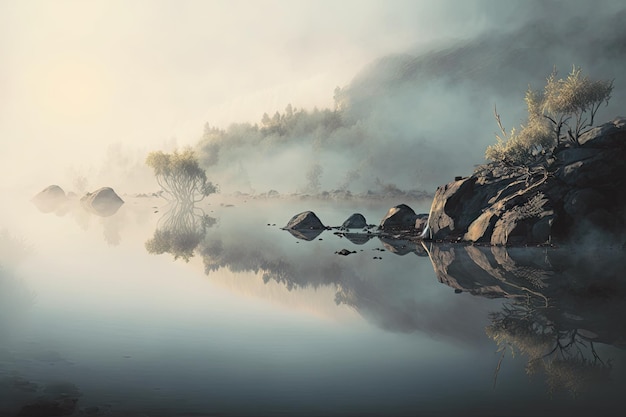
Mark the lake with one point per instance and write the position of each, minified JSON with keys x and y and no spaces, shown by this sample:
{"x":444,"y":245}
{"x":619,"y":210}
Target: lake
{"x":213,"y":310}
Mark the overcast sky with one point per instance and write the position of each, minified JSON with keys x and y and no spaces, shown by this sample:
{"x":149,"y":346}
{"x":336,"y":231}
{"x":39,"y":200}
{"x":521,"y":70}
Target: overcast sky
{"x":79,"y":75}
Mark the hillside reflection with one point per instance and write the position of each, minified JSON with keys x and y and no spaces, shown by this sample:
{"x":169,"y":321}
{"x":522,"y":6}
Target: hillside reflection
{"x":558,"y":305}
{"x":563,"y":304}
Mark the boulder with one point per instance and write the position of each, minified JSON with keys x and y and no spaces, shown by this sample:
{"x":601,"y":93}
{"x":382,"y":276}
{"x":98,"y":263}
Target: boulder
{"x":356,"y":221}
{"x":400,"y":217}
{"x":604,"y":136}
{"x":305,"y":221}
{"x":103,"y":202}
{"x":50,"y":199}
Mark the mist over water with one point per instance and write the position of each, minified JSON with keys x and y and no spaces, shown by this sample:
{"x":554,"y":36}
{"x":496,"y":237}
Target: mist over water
{"x":159,"y":308}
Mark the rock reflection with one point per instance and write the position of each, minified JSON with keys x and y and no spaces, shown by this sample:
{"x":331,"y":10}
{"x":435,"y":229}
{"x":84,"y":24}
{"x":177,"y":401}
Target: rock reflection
{"x":402,"y":247}
{"x":306,"y":234}
{"x":103,"y":204}
{"x":563,"y":303}
{"x":180,"y":230}
{"x":388,"y":295}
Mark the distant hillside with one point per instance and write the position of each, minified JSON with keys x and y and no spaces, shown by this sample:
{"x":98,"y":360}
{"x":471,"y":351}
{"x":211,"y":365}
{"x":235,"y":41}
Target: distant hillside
{"x":415,"y":120}
{"x":502,"y":63}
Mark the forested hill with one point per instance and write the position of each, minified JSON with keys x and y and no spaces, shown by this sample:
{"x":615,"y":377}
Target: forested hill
{"x":413,"y":121}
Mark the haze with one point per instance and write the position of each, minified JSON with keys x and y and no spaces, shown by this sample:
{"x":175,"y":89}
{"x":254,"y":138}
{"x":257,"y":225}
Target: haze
{"x":79,"y":76}
{"x":90,"y":86}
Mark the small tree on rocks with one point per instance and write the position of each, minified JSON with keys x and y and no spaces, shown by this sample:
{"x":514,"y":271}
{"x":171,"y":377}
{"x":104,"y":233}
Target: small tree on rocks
{"x":563,"y":110}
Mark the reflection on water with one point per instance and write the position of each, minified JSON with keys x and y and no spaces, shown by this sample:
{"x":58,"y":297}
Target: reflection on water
{"x":114,"y":330}
{"x":563,"y":303}
{"x":15,"y":297}
{"x":180,"y":230}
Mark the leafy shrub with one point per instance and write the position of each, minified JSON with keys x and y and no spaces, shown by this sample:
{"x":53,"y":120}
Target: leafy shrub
{"x":563,"y":110}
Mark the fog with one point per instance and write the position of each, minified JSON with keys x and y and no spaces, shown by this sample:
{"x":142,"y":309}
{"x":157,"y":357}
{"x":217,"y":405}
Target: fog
{"x":197,"y":310}
{"x":90,"y":88}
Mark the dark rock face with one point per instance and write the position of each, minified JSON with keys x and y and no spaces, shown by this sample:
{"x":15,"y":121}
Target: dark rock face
{"x":577,"y":192}
{"x":50,"y":199}
{"x":103,"y":202}
{"x":356,"y":221}
{"x":400,"y":217}
{"x":305,"y":221}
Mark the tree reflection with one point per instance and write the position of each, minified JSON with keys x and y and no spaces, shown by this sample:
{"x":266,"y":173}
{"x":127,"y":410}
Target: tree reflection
{"x":566,"y":357}
{"x":563,"y":303}
{"x":180,"y":230}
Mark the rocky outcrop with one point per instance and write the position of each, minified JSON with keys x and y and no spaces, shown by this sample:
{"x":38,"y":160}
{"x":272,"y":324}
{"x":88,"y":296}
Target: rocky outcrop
{"x":576,"y":192}
{"x":50,"y":199}
{"x":103,"y":202}
{"x":355,"y":221}
{"x":305,"y":221}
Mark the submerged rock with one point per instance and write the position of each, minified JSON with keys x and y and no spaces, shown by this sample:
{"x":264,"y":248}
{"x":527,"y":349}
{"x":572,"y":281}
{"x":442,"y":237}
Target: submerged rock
{"x":50,"y":199}
{"x":103,"y":202}
{"x":305,"y":221}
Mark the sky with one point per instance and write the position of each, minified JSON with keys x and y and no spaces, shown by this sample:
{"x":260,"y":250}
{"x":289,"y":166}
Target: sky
{"x":80,"y":76}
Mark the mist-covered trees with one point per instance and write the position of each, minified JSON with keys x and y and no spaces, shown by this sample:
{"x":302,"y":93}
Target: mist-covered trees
{"x":562,"y":111}
{"x":180,"y":176}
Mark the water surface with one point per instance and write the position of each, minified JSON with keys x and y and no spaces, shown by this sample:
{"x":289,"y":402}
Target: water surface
{"x":160,"y":310}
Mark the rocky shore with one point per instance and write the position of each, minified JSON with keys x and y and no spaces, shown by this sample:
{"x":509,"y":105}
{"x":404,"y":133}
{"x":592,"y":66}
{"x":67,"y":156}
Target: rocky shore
{"x":572,"y":194}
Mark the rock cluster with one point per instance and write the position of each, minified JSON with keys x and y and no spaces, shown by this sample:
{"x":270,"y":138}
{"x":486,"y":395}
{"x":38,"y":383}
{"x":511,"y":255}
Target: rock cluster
{"x":103,"y":202}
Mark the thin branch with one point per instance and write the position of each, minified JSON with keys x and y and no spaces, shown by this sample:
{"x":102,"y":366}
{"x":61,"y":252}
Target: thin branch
{"x":497,"y":116}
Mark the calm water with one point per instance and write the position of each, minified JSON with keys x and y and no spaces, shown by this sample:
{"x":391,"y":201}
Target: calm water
{"x":98,"y":318}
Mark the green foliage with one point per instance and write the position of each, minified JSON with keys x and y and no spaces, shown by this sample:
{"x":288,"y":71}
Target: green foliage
{"x":564,"y":105}
{"x":180,"y":176}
